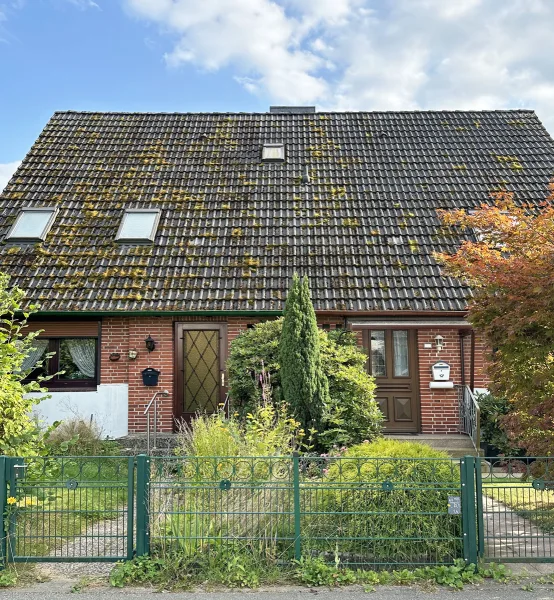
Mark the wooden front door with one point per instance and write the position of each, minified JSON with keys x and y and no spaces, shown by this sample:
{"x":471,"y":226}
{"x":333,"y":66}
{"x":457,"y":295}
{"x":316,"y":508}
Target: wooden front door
{"x":200,"y":355}
{"x":393,"y":363}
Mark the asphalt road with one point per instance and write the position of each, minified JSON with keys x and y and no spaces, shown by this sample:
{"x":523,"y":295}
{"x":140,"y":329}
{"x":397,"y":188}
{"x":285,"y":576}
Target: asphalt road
{"x":54,"y":590}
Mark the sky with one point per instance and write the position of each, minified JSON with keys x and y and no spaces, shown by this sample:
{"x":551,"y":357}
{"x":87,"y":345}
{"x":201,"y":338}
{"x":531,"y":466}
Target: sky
{"x":244,"y":55}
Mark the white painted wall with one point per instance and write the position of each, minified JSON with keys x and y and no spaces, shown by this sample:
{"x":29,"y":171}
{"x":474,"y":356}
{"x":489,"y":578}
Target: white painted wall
{"x":108,"y":406}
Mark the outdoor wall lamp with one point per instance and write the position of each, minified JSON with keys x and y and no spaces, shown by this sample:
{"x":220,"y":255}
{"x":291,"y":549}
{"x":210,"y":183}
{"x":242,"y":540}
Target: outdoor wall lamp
{"x":439,"y":343}
{"x":150,"y":343}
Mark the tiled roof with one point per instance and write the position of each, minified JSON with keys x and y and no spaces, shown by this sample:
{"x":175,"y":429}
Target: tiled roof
{"x":233,"y":230}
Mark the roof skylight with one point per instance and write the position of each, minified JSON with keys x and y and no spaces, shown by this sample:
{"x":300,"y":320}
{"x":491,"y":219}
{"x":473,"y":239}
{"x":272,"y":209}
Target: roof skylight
{"x":138,"y":226}
{"x":273,"y":153}
{"x":32,"y":224}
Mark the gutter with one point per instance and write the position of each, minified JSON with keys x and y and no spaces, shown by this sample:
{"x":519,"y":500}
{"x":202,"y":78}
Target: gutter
{"x":161,"y":313}
{"x":247,"y":313}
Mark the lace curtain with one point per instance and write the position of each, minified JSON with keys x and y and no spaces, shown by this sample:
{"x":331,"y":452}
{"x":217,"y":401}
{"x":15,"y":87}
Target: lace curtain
{"x":400,"y":348}
{"x":35,"y":354}
{"x":83,"y":354}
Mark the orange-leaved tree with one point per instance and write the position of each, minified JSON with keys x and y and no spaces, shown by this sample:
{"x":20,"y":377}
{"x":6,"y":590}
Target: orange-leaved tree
{"x":509,"y":264}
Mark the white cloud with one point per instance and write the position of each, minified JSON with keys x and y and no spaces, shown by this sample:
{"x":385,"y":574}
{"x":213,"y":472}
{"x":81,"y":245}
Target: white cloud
{"x":6,"y":171}
{"x":370,"y":54}
{"x":256,"y":37}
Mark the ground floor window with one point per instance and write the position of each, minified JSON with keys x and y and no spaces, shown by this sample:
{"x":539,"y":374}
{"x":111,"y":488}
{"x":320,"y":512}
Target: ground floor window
{"x":74,"y":360}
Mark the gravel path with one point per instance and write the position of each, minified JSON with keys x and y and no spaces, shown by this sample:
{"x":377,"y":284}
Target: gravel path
{"x":104,"y":538}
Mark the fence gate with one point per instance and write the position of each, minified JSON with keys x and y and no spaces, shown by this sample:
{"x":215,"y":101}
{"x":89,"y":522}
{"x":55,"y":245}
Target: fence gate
{"x":515,"y":508}
{"x":67,"y":509}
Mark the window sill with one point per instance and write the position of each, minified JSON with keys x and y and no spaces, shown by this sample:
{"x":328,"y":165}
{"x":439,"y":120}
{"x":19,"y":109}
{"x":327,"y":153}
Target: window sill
{"x":70,"y":389}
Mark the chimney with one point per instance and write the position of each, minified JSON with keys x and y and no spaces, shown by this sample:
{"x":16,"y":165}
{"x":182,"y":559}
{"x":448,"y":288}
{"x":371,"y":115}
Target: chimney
{"x":292,"y":110}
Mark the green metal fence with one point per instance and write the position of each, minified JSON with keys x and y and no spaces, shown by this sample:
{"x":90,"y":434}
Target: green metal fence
{"x":365,"y":512}
{"x":67,"y":509}
{"x":515,"y":506}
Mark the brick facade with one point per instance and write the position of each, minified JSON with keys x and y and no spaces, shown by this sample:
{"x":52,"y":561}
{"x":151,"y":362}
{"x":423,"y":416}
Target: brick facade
{"x":439,"y":408}
{"x":121,"y":334}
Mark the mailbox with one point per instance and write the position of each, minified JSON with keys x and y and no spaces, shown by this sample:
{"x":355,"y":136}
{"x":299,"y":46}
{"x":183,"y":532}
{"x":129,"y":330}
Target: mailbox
{"x":150,"y":376}
{"x":441,"y":371}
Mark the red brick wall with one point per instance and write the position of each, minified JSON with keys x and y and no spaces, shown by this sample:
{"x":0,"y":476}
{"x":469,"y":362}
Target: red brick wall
{"x":121,"y":334}
{"x":439,"y":408}
{"x":481,"y":353}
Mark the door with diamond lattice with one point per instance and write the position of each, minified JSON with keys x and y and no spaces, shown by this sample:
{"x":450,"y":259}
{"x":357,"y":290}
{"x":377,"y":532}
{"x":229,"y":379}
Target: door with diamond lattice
{"x":200,"y":368}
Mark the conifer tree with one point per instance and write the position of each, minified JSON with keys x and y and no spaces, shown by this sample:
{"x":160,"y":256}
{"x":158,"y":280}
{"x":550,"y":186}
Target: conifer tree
{"x":305,"y":386}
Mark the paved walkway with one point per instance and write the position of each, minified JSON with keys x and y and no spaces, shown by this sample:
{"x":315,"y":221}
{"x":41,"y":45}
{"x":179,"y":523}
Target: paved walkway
{"x":507,"y":535}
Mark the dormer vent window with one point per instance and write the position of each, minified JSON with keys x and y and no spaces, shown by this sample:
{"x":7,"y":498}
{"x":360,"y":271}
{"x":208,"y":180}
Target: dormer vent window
{"x":32,"y":224}
{"x":273,"y":153}
{"x":138,"y":226}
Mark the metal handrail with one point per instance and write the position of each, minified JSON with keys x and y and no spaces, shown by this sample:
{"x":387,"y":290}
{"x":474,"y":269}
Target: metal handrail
{"x":146,"y":413}
{"x":470,"y":416}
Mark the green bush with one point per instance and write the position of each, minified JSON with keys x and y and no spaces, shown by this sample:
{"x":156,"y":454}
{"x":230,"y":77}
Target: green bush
{"x":20,"y":434}
{"x":350,"y":416}
{"x":251,"y":352}
{"x":493,"y":409}
{"x":395,"y":493}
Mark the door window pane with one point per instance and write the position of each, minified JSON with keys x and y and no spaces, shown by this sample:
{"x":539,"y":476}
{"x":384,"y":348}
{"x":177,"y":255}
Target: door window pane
{"x":201,"y":371}
{"x":378,"y":358}
{"x":400,"y":352}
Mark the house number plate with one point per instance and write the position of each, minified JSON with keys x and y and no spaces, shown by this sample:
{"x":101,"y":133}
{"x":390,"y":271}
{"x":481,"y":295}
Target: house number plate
{"x":454,"y":505}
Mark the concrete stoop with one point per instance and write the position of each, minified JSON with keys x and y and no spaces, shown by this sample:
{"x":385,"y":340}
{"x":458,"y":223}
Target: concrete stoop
{"x":136,"y":443}
{"x":454,"y":444}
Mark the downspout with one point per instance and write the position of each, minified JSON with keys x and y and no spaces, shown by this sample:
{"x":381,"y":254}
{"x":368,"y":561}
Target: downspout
{"x":462,"y":335}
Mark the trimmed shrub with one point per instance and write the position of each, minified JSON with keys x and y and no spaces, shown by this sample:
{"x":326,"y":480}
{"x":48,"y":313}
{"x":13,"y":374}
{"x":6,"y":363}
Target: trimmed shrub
{"x":395,"y":494}
{"x":304,"y":383}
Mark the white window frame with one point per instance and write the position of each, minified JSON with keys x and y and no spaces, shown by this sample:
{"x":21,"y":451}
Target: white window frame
{"x":27,"y":209}
{"x":139,"y":240}
{"x":272,"y":159}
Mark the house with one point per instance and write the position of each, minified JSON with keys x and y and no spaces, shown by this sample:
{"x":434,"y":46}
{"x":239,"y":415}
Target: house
{"x":150,"y":241}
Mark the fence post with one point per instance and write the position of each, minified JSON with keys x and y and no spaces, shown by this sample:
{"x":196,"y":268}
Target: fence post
{"x":3,"y":506}
{"x":469,"y":517}
{"x":296,"y":492}
{"x":143,"y":497}
{"x":479,"y":504}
